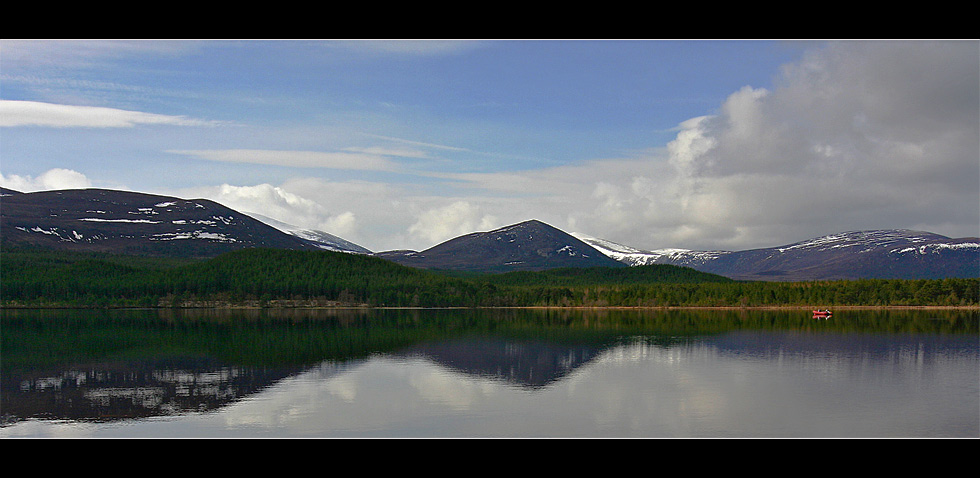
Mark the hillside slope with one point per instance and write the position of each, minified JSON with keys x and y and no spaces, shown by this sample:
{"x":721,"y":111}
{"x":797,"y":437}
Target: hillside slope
{"x":526,"y":246}
{"x":126,"y":222}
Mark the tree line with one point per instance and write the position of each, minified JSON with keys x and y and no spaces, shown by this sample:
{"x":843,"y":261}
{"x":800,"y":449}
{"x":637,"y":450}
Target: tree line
{"x":271,"y":277}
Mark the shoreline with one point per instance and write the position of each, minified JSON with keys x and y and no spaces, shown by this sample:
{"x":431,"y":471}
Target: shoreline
{"x":542,"y":307}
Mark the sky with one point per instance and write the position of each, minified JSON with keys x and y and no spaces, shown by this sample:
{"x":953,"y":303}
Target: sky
{"x":403,"y":144}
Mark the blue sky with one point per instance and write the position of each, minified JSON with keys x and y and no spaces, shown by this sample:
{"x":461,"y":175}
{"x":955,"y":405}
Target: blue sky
{"x":404,"y":144}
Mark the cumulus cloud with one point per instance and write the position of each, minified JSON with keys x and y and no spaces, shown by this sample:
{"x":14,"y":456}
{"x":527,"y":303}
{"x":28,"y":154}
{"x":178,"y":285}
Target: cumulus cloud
{"x":856,"y":135}
{"x":271,"y":198}
{"x":56,"y":178}
{"x":378,"y":216}
{"x":343,"y":224}
{"x":34,"y":113}
{"x":265,"y":199}
{"x":304,"y":203}
{"x":374,"y":215}
{"x":443,"y":223}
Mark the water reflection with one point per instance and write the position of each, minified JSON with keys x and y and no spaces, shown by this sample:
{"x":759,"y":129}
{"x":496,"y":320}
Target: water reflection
{"x":530,"y":364}
{"x":488,"y":373}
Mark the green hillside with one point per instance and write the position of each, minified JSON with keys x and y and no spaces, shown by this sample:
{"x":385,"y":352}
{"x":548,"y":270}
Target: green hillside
{"x":277,"y":278}
{"x":586,"y":276}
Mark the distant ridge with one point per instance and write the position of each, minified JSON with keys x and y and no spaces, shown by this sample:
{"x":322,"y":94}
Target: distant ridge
{"x":527,"y":246}
{"x":880,"y":254}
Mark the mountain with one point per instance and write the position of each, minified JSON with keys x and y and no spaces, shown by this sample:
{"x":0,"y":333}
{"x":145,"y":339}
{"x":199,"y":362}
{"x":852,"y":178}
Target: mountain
{"x":321,"y":239}
{"x":882,"y":254}
{"x":637,"y":257}
{"x":527,"y":246}
{"x":126,"y":222}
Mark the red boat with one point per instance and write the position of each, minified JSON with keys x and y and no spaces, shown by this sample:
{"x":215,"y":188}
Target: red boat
{"x":821,"y":314}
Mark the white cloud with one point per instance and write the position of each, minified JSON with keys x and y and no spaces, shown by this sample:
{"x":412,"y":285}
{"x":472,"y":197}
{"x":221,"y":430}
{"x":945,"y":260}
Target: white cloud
{"x":278,"y":203}
{"x":56,"y":178}
{"x":378,"y":216}
{"x":385,"y":151}
{"x":33,"y":113}
{"x":419,"y":143}
{"x":372,"y":214}
{"x":857,"y":135}
{"x":442,"y":223}
{"x":264,"y":199}
{"x":343,"y":224}
{"x":299,"y":159}
{"x":851,"y":138}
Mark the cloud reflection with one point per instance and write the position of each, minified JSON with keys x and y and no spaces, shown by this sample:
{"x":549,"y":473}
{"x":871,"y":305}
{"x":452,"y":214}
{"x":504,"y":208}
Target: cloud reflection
{"x":745,"y":384}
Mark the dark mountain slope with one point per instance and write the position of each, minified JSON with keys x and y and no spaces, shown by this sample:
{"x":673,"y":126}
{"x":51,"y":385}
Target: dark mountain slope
{"x":125,"y":222}
{"x":526,"y":246}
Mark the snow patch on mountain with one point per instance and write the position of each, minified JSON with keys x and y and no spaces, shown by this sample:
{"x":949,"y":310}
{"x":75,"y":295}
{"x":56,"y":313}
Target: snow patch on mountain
{"x":936,"y":248}
{"x":867,"y":239}
{"x":74,"y":236}
{"x":169,"y":236}
{"x":321,"y":239}
{"x":98,"y":219}
{"x":637,"y":257}
{"x":625,"y":254}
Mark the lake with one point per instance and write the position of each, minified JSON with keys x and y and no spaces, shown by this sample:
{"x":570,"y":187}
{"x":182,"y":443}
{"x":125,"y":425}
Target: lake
{"x":541,"y":373}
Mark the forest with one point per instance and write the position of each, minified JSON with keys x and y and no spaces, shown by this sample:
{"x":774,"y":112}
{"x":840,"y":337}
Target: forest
{"x":284,"y":278}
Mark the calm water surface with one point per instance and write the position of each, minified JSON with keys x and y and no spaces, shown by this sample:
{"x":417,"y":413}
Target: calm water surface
{"x":489,"y":373}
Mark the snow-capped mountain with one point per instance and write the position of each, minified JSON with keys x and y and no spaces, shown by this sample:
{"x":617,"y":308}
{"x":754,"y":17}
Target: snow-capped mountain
{"x":893,"y":253}
{"x":132,"y":223}
{"x":136,"y":223}
{"x":529,"y":245}
{"x":637,"y":257}
{"x":321,"y":239}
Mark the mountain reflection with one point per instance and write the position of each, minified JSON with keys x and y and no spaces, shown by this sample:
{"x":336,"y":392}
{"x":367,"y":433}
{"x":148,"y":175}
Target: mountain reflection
{"x":103,"y":366}
{"x":527,"y":364}
{"x":106,"y":392}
